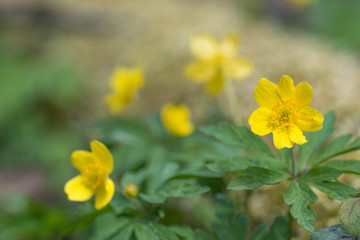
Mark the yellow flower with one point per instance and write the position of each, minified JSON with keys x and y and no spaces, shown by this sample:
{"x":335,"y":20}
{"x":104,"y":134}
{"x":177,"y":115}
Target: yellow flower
{"x":125,"y":84}
{"x":176,"y":119}
{"x":94,"y":166}
{"x":285,"y":111}
{"x":131,"y":190}
{"x":216,"y":62}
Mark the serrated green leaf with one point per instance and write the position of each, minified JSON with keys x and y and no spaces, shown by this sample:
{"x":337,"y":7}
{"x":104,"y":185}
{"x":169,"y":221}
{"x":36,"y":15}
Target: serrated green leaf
{"x":105,"y":226}
{"x":336,"y":232}
{"x":279,"y":230}
{"x":260,"y":232}
{"x":336,"y":190}
{"x":144,"y":232}
{"x":316,"y":139}
{"x":239,"y":136}
{"x":175,"y":189}
{"x":299,"y":196}
{"x":345,"y":166}
{"x":184,"y":232}
{"x":164,"y":232}
{"x":336,"y":147}
{"x":320,"y":173}
{"x":125,"y":233}
{"x":231,"y":164}
{"x":255,"y":177}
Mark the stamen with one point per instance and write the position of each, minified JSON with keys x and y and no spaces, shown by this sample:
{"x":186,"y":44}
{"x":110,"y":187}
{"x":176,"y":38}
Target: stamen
{"x":284,"y":113}
{"x":93,"y":174}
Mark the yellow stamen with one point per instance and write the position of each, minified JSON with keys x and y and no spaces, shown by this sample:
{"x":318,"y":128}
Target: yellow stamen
{"x":284,"y":113}
{"x":94,"y":175}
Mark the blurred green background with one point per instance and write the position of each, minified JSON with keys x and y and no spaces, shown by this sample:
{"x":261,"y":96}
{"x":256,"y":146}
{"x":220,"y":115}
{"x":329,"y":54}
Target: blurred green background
{"x":56,"y":58}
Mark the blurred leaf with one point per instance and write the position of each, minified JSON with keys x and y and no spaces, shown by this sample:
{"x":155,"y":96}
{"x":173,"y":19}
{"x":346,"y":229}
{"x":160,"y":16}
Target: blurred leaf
{"x":144,"y":232}
{"x":320,"y":173}
{"x":279,"y":230}
{"x":239,"y":136}
{"x":120,"y":203}
{"x":125,"y":233}
{"x":336,"y":232}
{"x":164,"y":232}
{"x":299,"y":196}
{"x":260,"y":232}
{"x":255,"y":177}
{"x":106,"y":226}
{"x":336,"y":190}
{"x":345,"y":166}
{"x":316,"y":139}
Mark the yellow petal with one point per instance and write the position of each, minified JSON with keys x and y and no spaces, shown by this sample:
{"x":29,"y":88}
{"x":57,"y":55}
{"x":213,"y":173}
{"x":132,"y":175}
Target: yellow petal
{"x":115,"y":103}
{"x":124,"y":78}
{"x":296,"y":135}
{"x":200,"y":71}
{"x":286,"y":87}
{"x":176,"y":119}
{"x":104,"y":194}
{"x":76,"y":190}
{"x":259,"y":121}
{"x":281,"y":138}
{"x":80,"y":159}
{"x":229,"y":46}
{"x":103,"y":155}
{"x":265,"y":93}
{"x":203,"y":46}
{"x":238,"y":69}
{"x":303,"y":94}
{"x":216,"y":83}
{"x":310,"y":120}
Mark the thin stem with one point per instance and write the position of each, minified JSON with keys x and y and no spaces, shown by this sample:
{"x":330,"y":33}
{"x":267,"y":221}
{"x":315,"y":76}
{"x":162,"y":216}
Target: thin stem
{"x":233,"y":101}
{"x":247,"y":212}
{"x":293,"y":165}
{"x":291,"y":219}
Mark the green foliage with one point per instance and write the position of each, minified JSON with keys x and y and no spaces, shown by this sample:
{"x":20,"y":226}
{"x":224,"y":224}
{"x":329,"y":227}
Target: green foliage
{"x":336,"y":232}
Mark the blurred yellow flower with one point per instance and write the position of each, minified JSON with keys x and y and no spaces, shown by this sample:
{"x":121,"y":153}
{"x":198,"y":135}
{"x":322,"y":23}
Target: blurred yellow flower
{"x":131,"y":190}
{"x":94,"y":166}
{"x":176,"y":119}
{"x":216,"y":62}
{"x":285,"y":111}
{"x":125,"y":84}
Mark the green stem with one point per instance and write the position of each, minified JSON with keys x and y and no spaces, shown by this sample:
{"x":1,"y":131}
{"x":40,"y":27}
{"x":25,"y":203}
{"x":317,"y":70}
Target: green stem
{"x":291,"y":219}
{"x":247,"y":212}
{"x":293,"y":165}
{"x":233,"y":101}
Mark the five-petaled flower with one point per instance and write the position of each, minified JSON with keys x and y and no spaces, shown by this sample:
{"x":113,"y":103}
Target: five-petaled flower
{"x":217,"y":62}
{"x":94,"y":166}
{"x":176,"y":119}
{"x":125,"y":84}
{"x":285,"y":111}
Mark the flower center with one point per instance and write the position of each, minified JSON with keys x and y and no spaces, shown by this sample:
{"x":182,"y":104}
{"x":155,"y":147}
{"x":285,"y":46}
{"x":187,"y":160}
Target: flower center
{"x":284,"y":113}
{"x":94,"y":175}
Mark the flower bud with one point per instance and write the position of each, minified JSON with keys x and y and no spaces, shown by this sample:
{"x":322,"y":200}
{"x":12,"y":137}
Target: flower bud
{"x":131,"y":190}
{"x":349,"y":212}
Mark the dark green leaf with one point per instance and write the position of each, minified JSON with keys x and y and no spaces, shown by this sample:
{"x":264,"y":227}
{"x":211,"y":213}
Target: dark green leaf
{"x":202,"y":235}
{"x":316,"y":139}
{"x":336,"y":147}
{"x":231,"y":164}
{"x":184,"y":232}
{"x":255,"y":177}
{"x":336,"y":190}
{"x":336,"y":232}
{"x":279,"y":230}
{"x":196,"y":173}
{"x":239,"y":136}
{"x":320,"y":173}
{"x":125,"y":233}
{"x":144,"y":232}
{"x":163,"y":231}
{"x":105,"y":226}
{"x":345,"y":166}
{"x":299,"y":196}
{"x":260,"y":232}
{"x":120,"y":203}
{"x":234,"y":230}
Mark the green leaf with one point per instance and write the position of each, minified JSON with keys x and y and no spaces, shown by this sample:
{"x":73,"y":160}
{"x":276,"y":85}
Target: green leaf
{"x":125,"y":233}
{"x":345,"y":166}
{"x":196,"y":173}
{"x":316,"y":139}
{"x":202,"y":235}
{"x":105,"y":226}
{"x":239,"y":136}
{"x":279,"y":230}
{"x":175,"y":188}
{"x":336,"y":232}
{"x":336,"y":190}
{"x":144,"y":232}
{"x":231,"y":164}
{"x":336,"y":147}
{"x":299,"y":196}
{"x":320,"y":173}
{"x":260,"y":232}
{"x":120,"y":203}
{"x":256,"y":176}
{"x":234,"y":230}
{"x":163,"y":231}
{"x":184,"y":232}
